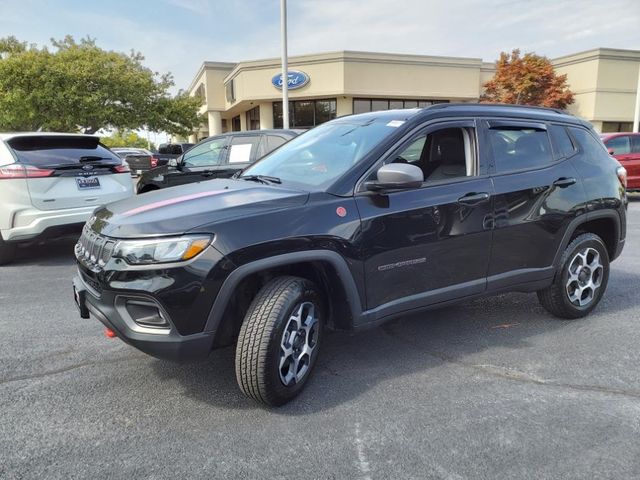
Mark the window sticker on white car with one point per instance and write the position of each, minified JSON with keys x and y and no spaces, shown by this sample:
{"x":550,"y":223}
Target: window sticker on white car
{"x":395,"y":123}
{"x":240,"y":153}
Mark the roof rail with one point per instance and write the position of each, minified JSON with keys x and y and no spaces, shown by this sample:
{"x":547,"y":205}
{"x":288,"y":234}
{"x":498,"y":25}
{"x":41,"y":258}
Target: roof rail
{"x":500,"y":105}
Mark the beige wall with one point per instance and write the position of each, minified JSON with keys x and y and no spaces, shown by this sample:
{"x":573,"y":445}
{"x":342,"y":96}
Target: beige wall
{"x":604,"y":83}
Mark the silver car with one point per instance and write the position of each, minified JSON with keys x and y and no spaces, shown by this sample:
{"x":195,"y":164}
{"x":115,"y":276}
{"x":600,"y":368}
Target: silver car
{"x":51,"y":181}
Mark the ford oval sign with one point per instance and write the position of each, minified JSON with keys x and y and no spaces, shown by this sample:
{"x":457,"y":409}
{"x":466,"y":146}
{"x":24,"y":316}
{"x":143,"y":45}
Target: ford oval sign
{"x":297,"y":79}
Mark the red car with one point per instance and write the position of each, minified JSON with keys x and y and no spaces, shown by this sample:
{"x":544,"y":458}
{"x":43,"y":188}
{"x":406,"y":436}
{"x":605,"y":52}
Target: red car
{"x":625,"y":147}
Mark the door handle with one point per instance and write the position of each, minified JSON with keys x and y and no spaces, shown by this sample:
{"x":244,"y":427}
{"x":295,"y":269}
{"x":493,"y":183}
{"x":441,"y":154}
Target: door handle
{"x":474,"y":198}
{"x":564,"y":182}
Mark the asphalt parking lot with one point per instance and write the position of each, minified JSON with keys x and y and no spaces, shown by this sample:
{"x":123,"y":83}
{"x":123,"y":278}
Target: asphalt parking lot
{"x":491,"y":389}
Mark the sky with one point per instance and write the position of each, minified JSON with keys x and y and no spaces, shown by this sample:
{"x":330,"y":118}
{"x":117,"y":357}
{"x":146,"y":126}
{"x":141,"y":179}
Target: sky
{"x":178,"y":35}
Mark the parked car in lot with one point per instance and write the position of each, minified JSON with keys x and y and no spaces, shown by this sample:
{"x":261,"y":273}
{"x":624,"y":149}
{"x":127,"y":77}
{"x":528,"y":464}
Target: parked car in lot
{"x":360,"y":220}
{"x":625,"y":147}
{"x":52,"y":182}
{"x":220,"y":156}
{"x":139,"y":159}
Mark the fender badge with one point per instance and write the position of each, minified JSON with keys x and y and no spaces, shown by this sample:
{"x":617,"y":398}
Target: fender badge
{"x":341,"y":211}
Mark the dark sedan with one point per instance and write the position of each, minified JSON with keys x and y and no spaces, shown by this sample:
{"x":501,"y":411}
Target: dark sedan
{"x":220,"y":156}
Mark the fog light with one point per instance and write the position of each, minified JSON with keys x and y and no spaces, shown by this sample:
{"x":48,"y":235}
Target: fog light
{"x":146,"y":314}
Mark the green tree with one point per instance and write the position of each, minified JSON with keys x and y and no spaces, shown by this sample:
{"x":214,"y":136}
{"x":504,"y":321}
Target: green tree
{"x":527,"y":80}
{"x":126,"y":138}
{"x":77,"y":86}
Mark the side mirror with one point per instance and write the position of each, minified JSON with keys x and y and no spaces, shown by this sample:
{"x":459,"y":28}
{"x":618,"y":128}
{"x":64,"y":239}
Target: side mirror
{"x":173,"y":162}
{"x":396,"y":176}
{"x":611,"y":151}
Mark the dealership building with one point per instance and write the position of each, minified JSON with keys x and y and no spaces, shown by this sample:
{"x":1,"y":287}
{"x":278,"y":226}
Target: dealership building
{"x":247,"y":95}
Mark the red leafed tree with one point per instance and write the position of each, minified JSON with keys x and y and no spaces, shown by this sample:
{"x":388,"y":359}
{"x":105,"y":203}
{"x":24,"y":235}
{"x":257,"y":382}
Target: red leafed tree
{"x":527,"y":80}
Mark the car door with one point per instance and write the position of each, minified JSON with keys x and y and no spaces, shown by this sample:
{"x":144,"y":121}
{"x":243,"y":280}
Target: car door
{"x":537,"y":194}
{"x":626,"y":149}
{"x":201,"y":162}
{"x":429,"y":244}
{"x":243,"y":151}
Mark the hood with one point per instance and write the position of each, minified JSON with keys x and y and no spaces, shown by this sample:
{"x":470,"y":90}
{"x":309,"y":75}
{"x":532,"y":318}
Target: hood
{"x":177,"y":210}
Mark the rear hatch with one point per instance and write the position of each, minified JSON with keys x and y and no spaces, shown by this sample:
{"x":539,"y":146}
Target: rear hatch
{"x":70,"y":171}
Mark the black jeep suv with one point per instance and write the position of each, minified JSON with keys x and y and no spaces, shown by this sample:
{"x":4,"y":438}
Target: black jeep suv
{"x":362,"y":219}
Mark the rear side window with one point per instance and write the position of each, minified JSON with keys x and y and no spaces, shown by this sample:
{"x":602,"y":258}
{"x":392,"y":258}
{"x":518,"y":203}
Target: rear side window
{"x":589,"y":145}
{"x":619,"y":145}
{"x":635,"y":144}
{"x":275,"y":141}
{"x":50,"y":151}
{"x":519,"y":147}
{"x":243,"y":149}
{"x":562,"y":145}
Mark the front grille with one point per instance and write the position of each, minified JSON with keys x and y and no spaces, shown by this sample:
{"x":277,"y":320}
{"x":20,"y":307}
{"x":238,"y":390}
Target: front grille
{"x":94,"y":250}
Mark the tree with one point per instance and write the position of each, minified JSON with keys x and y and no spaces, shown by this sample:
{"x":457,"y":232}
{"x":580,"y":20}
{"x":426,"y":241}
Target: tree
{"x":126,"y":138}
{"x":77,"y":86}
{"x":527,"y":80}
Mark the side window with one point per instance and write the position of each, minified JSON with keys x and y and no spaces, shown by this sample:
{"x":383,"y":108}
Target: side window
{"x":562,"y":145}
{"x":619,"y":145}
{"x":275,"y":141}
{"x":445,"y":154}
{"x":205,"y":154}
{"x":243,"y":149}
{"x":519,"y":147}
{"x":593,"y":148}
{"x":635,"y":144}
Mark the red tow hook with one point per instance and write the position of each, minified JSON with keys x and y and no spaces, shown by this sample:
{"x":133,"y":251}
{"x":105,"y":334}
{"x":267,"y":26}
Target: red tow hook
{"x":109,"y":333}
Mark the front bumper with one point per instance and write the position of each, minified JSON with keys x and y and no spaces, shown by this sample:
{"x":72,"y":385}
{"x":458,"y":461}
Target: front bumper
{"x":165,"y":343}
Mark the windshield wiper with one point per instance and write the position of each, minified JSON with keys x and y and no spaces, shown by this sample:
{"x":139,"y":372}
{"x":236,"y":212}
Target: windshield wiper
{"x":261,"y":178}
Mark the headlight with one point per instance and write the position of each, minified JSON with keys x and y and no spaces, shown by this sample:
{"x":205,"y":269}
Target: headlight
{"x":161,"y":250}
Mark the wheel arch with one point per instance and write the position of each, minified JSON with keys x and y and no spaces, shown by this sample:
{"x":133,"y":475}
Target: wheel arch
{"x":325,"y":268}
{"x":604,"y":223}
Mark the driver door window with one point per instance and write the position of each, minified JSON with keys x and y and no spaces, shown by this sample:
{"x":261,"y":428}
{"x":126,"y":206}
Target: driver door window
{"x":206,"y":155}
{"x":443,"y":154}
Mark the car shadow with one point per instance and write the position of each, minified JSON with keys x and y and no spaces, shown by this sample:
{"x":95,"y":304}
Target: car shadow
{"x":352,"y":364}
{"x":49,"y":253}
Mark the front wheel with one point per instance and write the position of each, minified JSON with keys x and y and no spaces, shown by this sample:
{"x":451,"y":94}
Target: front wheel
{"x":581,"y":280}
{"x":279,"y":340}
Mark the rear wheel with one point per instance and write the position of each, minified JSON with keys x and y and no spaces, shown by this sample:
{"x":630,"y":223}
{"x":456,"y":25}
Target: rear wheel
{"x":7,"y":252}
{"x":582,"y":280}
{"x":279,"y":340}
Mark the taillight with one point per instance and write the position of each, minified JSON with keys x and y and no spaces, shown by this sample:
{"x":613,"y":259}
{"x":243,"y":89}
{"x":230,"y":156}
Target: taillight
{"x":123,"y":168}
{"x":154,"y":162}
{"x":622,"y":176}
{"x":17,"y":170}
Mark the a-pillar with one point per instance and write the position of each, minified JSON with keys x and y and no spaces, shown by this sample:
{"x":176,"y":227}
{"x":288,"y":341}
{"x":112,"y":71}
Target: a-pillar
{"x":215,"y":123}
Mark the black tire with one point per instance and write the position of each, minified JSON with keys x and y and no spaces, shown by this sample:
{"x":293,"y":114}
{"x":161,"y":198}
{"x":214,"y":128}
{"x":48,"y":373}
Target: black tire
{"x":259,"y":351}
{"x":7,"y":252}
{"x":147,"y":189}
{"x":555,"y":298}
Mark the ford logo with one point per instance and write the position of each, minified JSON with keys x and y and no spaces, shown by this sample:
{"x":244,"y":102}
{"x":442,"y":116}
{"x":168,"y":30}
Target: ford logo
{"x":296,"y":79}
{"x":87,"y":167}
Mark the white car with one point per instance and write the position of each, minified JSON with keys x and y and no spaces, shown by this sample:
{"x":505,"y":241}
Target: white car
{"x":51,"y":183}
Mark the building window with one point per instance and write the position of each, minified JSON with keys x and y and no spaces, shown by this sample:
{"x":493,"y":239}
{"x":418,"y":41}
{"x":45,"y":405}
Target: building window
{"x":305,"y":113}
{"x":364,"y":105}
{"x":230,"y":91}
{"x":235,"y":124}
{"x":613,"y":127}
{"x":253,"y":118}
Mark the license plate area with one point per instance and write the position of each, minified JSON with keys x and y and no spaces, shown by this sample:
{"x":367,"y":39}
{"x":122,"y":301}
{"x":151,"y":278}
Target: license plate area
{"x":88,"y":183}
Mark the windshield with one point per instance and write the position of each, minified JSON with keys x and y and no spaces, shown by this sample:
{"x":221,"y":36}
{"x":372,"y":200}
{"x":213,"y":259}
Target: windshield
{"x":315,"y":159}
